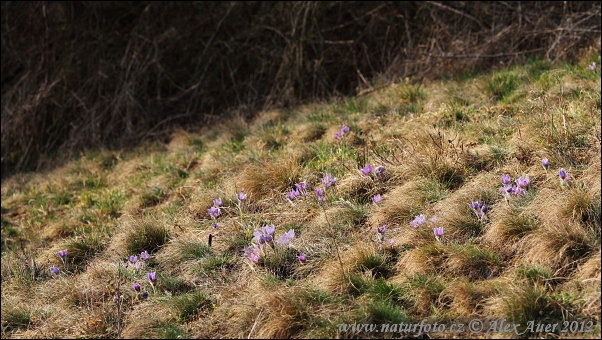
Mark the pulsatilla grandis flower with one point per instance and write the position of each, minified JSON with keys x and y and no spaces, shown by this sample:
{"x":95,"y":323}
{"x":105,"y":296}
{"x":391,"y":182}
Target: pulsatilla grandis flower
{"x":380,"y":171}
{"x":133,"y":259}
{"x":144,"y":256}
{"x":367,"y":169}
{"x":54,"y":270}
{"x":252,"y":253}
{"x":418,"y":221}
{"x":563,"y":174}
{"x":241,"y":196}
{"x":293,"y":194}
{"x":376,"y":198}
{"x":545,"y":163}
{"x":505,"y":179}
{"x":137,"y":287}
{"x":152,"y":276}
{"x":302,"y":257}
{"x":214,"y":211}
{"x":286,"y":237}
{"x":328,"y":180}
{"x":438,"y":233}
{"x":264,"y":234}
{"x":217,"y":202}
{"x":523,"y":182}
{"x":62,"y":253}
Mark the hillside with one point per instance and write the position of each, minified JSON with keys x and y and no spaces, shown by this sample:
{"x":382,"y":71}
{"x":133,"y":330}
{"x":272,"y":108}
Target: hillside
{"x":440,"y":149}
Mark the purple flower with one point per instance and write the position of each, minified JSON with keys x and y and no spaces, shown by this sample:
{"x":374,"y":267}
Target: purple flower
{"x":476,"y":205}
{"x":345,"y":128}
{"x":367,"y":169}
{"x":376,"y":198}
{"x":152,"y":276}
{"x":505,"y":179}
{"x":338,"y":135}
{"x":562,"y":173}
{"x":293,"y":194}
{"x":301,"y":187}
{"x":54,"y":270}
{"x":215,"y":225}
{"x":217,"y":202}
{"x":133,"y":259}
{"x":145,"y":294}
{"x":507,"y":190}
{"x":545,"y":163}
{"x":286,"y":237}
{"x":301,"y":257}
{"x":214,"y":211}
{"x":380,"y":171}
{"x":138,"y":265}
{"x":62,"y":254}
{"x":523,"y":182}
{"x":252,"y":253}
{"x":381,"y":229}
{"x":321,"y":199}
{"x":144,"y":256}
{"x":137,"y":287}
{"x":484,"y":208}
{"x":418,"y":221}
{"x":264,"y":235}
{"x":241,"y":195}
{"x":328,"y":180}
{"x":592,"y":66}
{"x":319,"y":192}
{"x":438,"y":232}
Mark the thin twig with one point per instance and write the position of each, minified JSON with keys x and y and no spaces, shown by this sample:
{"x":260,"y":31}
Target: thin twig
{"x":255,"y":323}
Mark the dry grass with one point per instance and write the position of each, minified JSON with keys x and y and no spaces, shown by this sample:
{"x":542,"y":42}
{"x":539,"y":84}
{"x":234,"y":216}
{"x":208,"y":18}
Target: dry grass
{"x":535,"y":256}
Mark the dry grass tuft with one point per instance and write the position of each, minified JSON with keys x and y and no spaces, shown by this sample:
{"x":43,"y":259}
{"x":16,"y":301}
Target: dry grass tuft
{"x":466,"y":297}
{"x":271,"y":178}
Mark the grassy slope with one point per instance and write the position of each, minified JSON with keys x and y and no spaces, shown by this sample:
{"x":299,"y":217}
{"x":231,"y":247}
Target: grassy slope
{"x":444,"y":145}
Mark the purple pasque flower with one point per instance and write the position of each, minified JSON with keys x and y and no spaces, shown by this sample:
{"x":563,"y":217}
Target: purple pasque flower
{"x":293,"y":194}
{"x":381,"y":229}
{"x":286,"y":237}
{"x":137,"y":287}
{"x":264,"y":234}
{"x":592,"y":66}
{"x":217,"y":202}
{"x":320,"y":194}
{"x":152,"y":276}
{"x":133,"y":259}
{"x":476,"y":205}
{"x":376,"y":198}
{"x":144,"y":256}
{"x":563,"y":174}
{"x":252,"y":253}
{"x":214,"y":211}
{"x":438,"y":232}
{"x":138,"y":265}
{"x":418,"y":221}
{"x":241,"y":196}
{"x":54,"y":270}
{"x":328,"y":180}
{"x":380,"y":171}
{"x":302,"y":257}
{"x":523,"y":182}
{"x":505,"y":179}
{"x":215,"y":225}
{"x":62,"y":254}
{"x":302,"y":188}
{"x":367,"y":169}
{"x":345,"y":128}
{"x":545,"y":163}
{"x":339,"y":135}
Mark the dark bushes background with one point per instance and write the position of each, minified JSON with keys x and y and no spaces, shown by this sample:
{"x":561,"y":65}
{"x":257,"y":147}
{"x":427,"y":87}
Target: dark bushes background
{"x":109,"y":74}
